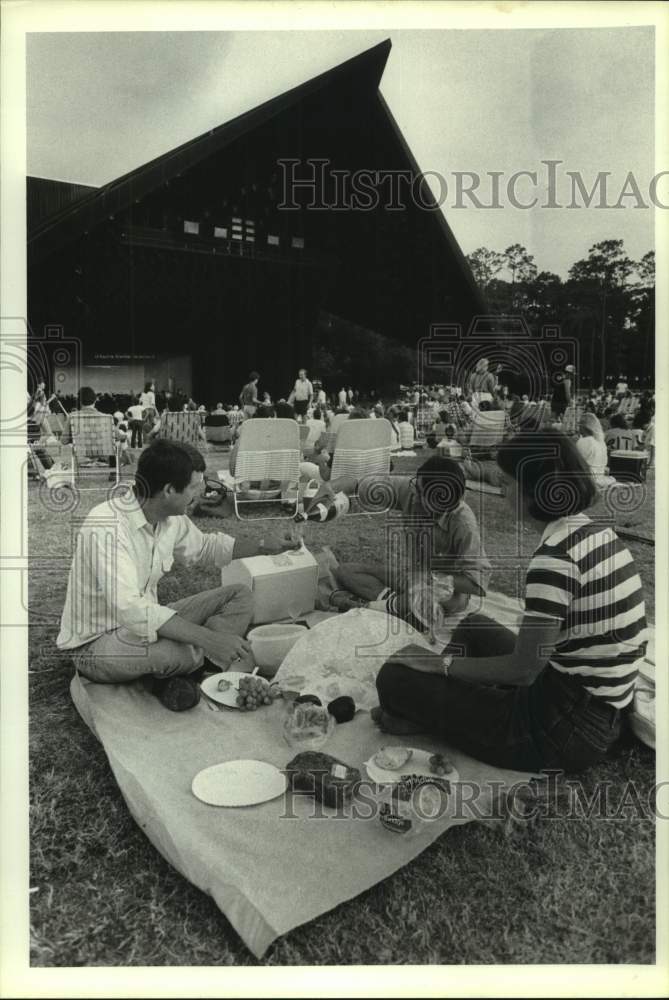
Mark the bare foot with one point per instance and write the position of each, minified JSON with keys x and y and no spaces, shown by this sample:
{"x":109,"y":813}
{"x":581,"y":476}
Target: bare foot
{"x":393,"y":724}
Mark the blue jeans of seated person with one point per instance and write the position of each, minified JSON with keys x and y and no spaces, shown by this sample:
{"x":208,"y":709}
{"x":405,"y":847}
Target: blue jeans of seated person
{"x":119,"y":656}
{"x":553,"y":723}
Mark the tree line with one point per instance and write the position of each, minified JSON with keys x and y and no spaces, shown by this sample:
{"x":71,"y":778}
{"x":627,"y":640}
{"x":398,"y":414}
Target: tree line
{"x":606,"y":304}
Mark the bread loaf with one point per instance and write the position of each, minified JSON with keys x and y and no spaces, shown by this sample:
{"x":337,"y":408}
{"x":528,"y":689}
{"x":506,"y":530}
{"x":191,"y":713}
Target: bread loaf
{"x":331,"y":781}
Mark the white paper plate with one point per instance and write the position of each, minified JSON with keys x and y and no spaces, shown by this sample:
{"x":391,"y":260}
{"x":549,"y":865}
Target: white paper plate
{"x":239,"y":783}
{"x":418,"y":763}
{"x":228,"y":697}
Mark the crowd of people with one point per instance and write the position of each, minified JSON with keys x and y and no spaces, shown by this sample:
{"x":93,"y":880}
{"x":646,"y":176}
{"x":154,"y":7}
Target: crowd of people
{"x":436,"y":416}
{"x":544,"y":698}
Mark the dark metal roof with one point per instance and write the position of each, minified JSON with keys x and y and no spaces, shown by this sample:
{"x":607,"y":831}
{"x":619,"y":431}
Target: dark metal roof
{"x":365,"y":69}
{"x":46,"y":198}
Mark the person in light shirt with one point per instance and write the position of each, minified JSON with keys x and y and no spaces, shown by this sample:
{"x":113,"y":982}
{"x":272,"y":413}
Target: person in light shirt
{"x":302,"y":394}
{"x":113,"y":624}
{"x":592,"y":447}
{"x":148,"y":397}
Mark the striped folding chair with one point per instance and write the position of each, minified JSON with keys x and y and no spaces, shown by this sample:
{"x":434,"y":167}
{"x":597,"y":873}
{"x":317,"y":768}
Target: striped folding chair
{"x":362,"y":449}
{"x":268,"y":453}
{"x":93,"y":441}
{"x":183,"y":427}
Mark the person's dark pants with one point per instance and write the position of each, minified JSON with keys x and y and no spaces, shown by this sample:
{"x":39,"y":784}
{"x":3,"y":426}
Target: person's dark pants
{"x":553,"y":723}
{"x":300,"y":407}
{"x":137,"y":427}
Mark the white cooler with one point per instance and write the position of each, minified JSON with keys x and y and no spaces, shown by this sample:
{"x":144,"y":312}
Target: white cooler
{"x":283,"y":586}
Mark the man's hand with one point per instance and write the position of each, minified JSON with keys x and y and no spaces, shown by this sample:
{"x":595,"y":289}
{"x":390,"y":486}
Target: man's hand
{"x":288,"y":543}
{"x":225,"y":650}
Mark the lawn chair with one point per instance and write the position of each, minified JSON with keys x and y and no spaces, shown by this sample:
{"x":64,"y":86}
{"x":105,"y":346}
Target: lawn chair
{"x":183,"y":427}
{"x":93,"y":440}
{"x":268,"y":451}
{"x":56,"y":424}
{"x":362,"y":449}
{"x":59,"y":474}
{"x":304,"y":434}
{"x":628,"y":466}
{"x":218,"y":434}
{"x":331,"y":435}
{"x":486,"y":433}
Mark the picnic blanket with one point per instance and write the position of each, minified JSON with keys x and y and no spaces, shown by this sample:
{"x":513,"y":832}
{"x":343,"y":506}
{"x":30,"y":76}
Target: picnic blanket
{"x":275,"y":866}
{"x":270,"y":867}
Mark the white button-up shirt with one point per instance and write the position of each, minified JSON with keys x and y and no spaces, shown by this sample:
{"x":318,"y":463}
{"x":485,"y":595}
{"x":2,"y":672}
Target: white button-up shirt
{"x":118,"y":562}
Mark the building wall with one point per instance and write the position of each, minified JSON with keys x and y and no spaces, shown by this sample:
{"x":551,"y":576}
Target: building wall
{"x":129,"y":377}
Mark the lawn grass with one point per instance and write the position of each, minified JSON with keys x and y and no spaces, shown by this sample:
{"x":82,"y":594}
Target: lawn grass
{"x":565,"y":890}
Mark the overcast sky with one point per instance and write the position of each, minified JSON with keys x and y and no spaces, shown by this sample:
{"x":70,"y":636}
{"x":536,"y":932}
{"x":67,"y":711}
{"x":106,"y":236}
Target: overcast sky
{"x":101,"y":104}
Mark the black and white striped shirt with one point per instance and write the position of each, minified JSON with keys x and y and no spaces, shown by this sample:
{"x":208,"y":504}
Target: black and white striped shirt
{"x":583,"y":575}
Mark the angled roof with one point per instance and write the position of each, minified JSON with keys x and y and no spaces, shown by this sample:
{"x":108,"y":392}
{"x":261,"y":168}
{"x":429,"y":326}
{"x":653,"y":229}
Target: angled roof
{"x":72,"y":221}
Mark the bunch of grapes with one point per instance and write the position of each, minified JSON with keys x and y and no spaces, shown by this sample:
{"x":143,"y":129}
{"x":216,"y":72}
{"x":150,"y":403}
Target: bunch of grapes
{"x":253,"y":692}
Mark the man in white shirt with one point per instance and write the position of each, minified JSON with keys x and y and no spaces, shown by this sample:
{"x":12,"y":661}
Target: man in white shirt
{"x":136,"y":423}
{"x":303,"y":392}
{"x":112,"y":621}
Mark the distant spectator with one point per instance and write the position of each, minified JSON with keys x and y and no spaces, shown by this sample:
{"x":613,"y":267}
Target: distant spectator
{"x":136,"y":424}
{"x":407,"y":433}
{"x":592,"y":447}
{"x":148,"y":397}
{"x":316,"y":426}
{"x":621,"y":437}
{"x":248,"y":397}
{"x":302,"y":395}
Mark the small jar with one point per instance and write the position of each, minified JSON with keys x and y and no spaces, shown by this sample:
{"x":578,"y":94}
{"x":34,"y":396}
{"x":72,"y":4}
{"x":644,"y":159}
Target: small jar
{"x":307,"y":726}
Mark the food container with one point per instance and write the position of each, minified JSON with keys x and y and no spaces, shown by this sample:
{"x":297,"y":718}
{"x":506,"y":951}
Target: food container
{"x":283,"y":585}
{"x":307,"y":726}
{"x":415,"y":801}
{"x":271,"y":643}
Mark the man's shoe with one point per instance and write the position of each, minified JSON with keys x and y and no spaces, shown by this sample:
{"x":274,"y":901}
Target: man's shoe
{"x":176,"y":693}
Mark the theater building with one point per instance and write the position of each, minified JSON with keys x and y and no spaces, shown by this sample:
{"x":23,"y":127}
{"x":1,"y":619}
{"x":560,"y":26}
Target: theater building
{"x":219,"y":256}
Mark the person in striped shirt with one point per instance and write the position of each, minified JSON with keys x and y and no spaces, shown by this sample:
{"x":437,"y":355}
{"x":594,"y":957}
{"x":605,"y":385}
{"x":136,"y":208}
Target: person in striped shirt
{"x":553,"y":696}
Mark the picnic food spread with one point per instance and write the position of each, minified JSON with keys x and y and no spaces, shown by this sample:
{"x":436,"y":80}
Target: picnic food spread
{"x":308,"y":725}
{"x":331,"y":781}
{"x":343,"y":708}
{"x":411,"y":785}
{"x":254,"y":692}
{"x":441,"y":765}
{"x":392,"y":758}
{"x":413,"y":801}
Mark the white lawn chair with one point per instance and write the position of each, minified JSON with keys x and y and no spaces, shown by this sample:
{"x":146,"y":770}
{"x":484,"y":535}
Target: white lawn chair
{"x":93,"y":441}
{"x":362,"y":449}
{"x":487,"y":432}
{"x":333,"y":428}
{"x":268,"y":450}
